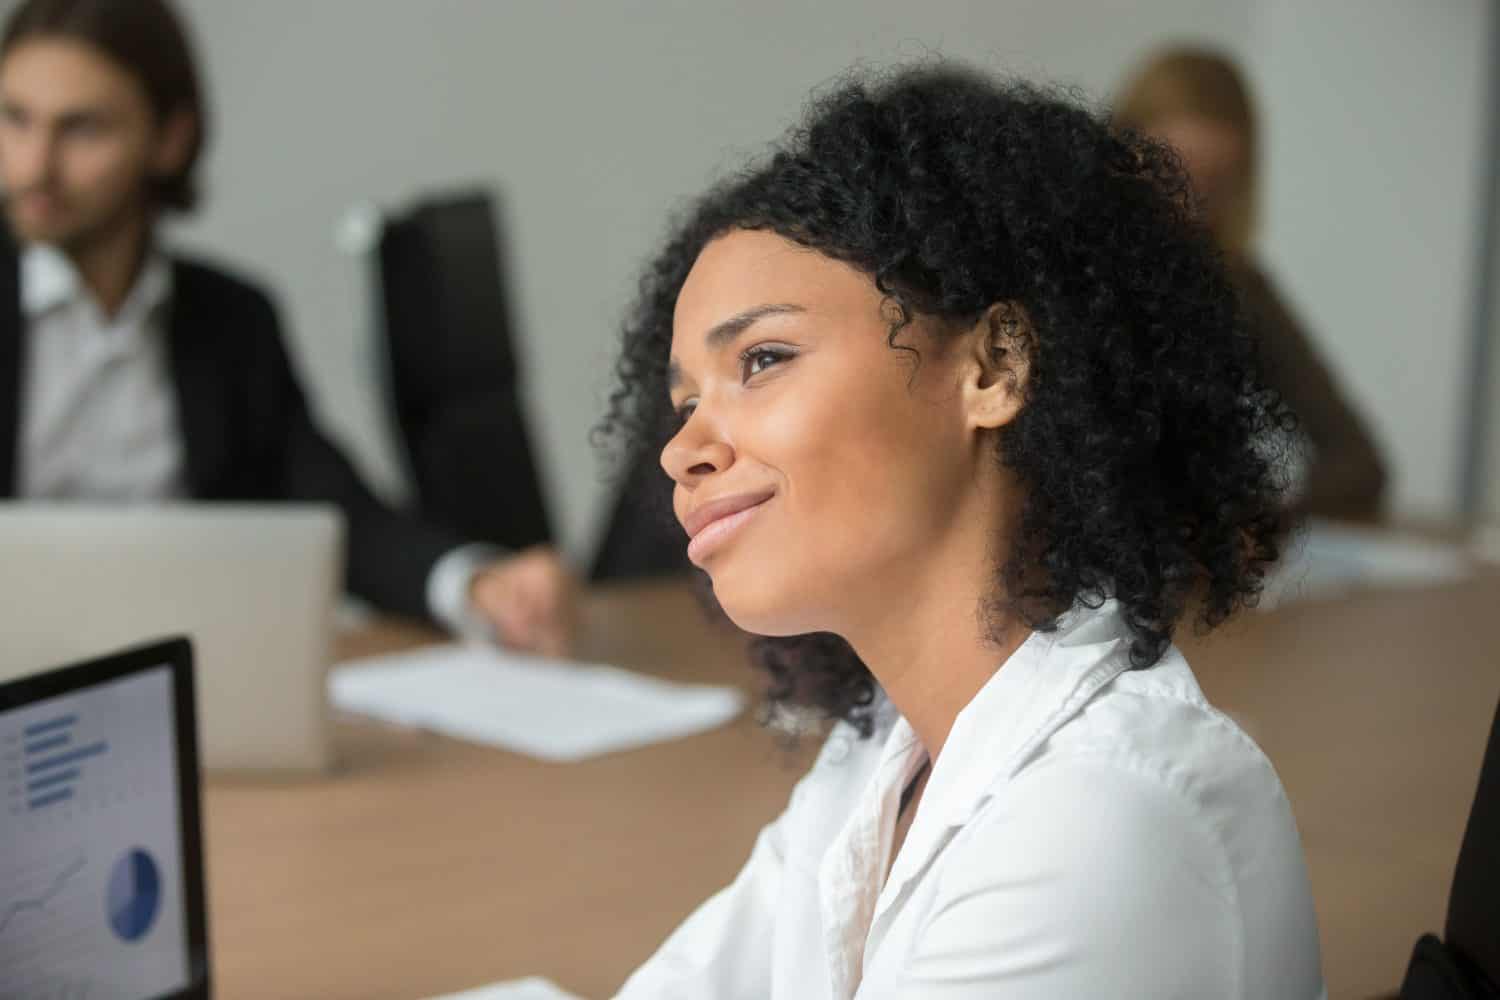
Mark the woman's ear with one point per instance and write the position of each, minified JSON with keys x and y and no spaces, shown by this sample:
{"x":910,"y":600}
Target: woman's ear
{"x":1002,"y":345}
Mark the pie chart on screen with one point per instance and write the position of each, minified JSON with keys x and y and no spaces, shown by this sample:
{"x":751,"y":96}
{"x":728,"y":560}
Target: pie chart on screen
{"x":134,"y":894}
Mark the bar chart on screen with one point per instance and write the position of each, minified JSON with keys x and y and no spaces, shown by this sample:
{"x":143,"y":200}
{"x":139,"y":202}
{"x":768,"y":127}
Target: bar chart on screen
{"x":90,"y":873}
{"x":46,"y":762}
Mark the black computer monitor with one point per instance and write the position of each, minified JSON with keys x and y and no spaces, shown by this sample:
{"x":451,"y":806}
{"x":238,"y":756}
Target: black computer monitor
{"x":101,"y":864}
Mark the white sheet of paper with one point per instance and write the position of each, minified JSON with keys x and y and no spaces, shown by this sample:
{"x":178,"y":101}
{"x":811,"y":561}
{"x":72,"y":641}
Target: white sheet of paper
{"x":551,"y":709}
{"x":1331,"y":559}
{"x":533,"y":988}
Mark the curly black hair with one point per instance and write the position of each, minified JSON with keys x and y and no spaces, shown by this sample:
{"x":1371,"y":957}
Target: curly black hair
{"x":1149,"y":450}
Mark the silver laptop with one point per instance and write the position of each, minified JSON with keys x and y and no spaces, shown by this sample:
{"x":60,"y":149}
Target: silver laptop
{"x":253,"y":586}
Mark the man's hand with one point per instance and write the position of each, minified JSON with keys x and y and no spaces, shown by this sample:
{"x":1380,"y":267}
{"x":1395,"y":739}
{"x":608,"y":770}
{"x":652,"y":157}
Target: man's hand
{"x":529,"y":598}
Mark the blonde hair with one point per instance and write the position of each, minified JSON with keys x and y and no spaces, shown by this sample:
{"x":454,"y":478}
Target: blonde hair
{"x":1189,"y":81}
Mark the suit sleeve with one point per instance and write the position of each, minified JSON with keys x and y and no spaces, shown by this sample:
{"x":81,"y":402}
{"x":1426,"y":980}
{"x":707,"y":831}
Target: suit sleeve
{"x":390,"y":554}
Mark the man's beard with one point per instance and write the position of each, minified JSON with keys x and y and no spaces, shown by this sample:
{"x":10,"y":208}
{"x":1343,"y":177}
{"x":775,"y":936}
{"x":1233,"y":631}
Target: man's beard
{"x":86,"y":235}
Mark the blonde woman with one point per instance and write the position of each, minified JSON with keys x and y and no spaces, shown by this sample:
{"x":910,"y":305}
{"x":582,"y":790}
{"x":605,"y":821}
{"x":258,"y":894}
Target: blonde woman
{"x":1196,"y":101}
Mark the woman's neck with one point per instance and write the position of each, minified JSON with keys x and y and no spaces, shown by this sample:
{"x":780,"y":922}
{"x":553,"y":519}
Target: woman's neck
{"x":942,"y":634}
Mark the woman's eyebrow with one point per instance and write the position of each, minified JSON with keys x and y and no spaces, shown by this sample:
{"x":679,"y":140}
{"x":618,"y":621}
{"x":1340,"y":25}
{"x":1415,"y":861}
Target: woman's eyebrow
{"x":722,"y":333}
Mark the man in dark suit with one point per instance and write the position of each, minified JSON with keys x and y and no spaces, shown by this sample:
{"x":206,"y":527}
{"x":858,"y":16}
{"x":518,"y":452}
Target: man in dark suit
{"x":127,"y":375}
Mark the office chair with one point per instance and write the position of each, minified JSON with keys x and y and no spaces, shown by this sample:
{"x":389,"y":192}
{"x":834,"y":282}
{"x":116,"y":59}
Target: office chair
{"x":451,"y":376}
{"x":642,"y":538}
{"x":1465,"y":964}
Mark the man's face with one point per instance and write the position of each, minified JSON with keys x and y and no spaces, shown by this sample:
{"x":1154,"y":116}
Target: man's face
{"x":78,"y":142}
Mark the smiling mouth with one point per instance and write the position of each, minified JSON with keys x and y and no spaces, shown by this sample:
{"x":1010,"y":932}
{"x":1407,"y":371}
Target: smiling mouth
{"x":715,"y":534}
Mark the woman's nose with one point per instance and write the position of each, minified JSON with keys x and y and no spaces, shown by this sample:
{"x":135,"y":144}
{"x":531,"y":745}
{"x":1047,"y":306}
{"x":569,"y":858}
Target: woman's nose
{"x":695,"y":452}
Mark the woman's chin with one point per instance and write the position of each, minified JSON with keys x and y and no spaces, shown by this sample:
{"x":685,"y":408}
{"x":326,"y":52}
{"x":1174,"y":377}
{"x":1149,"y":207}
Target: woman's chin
{"x":763,"y":608}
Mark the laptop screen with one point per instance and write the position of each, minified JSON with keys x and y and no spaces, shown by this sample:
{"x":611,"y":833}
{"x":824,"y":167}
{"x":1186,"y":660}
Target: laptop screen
{"x":92,"y":896}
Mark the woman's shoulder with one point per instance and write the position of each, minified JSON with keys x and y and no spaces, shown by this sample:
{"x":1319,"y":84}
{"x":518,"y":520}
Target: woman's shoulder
{"x":1126,"y":853}
{"x":1149,"y":778}
{"x":1155,"y":728}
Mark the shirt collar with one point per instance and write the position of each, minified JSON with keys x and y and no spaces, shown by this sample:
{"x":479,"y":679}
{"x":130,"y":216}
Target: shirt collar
{"x":1045,"y":682}
{"x":49,"y":280}
{"x":1041,"y":686}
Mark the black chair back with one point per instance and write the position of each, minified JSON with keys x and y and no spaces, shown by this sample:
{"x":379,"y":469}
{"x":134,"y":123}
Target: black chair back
{"x":642,"y":538}
{"x":1465,"y":965}
{"x":452,"y":372}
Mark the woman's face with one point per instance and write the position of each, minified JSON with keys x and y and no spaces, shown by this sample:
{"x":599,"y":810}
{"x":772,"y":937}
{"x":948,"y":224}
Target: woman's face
{"x":1214,"y":153}
{"x":819,"y":469}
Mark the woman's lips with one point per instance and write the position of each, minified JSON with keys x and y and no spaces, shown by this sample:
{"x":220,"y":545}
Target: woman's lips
{"x":713,"y":524}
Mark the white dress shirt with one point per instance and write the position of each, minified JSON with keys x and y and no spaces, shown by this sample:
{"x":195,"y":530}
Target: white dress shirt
{"x":99,"y":411}
{"x":1087,"y":831}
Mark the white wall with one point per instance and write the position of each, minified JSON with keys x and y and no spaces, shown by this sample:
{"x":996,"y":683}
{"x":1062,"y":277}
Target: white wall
{"x":1373,"y":111}
{"x":1490,"y":442}
{"x":593,"y":119}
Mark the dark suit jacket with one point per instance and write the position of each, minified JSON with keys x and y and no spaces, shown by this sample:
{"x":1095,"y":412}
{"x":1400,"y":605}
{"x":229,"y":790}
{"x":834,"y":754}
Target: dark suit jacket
{"x":247,"y":433}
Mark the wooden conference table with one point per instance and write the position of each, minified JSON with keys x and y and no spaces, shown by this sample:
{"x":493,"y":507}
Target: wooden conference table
{"x":427,"y":865}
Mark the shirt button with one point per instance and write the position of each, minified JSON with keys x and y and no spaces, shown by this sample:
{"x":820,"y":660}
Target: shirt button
{"x":838,"y":750}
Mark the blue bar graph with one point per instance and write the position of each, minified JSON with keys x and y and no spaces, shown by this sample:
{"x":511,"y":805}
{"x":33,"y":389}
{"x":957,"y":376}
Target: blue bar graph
{"x":70,"y":757}
{"x":49,"y":725}
{"x":51,"y":798}
{"x":49,"y":743}
{"x":55,"y":778}
{"x":50,"y":759}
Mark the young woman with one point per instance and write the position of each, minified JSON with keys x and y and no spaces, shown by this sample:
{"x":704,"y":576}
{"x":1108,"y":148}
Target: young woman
{"x":962,"y":418}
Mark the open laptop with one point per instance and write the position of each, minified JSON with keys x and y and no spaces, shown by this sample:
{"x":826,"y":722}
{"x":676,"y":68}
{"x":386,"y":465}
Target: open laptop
{"x":101,"y":871}
{"x":254,"y":587}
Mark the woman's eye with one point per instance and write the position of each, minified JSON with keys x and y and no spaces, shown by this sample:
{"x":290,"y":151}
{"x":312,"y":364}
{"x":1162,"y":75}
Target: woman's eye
{"x":758,"y":359}
{"x":685,"y":413}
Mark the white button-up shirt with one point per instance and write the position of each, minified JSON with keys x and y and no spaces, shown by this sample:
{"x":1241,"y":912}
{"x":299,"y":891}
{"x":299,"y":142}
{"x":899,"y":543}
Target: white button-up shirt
{"x":1087,"y":831}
